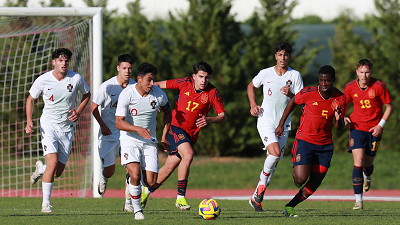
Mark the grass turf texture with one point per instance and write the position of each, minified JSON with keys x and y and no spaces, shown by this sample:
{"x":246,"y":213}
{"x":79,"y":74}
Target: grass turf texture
{"x":244,"y":173}
{"x":162,"y":211}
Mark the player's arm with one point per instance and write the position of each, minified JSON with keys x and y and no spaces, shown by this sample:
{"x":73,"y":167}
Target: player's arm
{"x":29,"y":110}
{"x":377,"y":130}
{"x":339,"y":124}
{"x":203,"y":121}
{"x":161,"y":84}
{"x":285,"y":90}
{"x":121,"y":124}
{"x":95,"y":111}
{"x":254,"y":108}
{"x":167,"y":124}
{"x":76,"y":113}
{"x":289,"y":108}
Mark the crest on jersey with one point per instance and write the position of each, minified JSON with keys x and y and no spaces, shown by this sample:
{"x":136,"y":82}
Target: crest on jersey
{"x":181,"y":136}
{"x":351,"y":142}
{"x":204,"y":98}
{"x":289,"y":83}
{"x":45,"y":147}
{"x":69,"y":87}
{"x":126,"y":156}
{"x":335,"y":104}
{"x":371,"y":93}
{"x":153,"y":104}
{"x":298,"y":158}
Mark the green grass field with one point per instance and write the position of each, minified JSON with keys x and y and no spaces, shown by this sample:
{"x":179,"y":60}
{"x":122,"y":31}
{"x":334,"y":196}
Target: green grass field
{"x":163,"y":211}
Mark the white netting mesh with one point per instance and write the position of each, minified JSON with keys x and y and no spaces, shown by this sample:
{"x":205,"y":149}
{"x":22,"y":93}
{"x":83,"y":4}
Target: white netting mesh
{"x":26,"y":47}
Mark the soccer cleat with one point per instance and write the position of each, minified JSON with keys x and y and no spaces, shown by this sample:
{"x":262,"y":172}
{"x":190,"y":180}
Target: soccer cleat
{"x":259,"y":196}
{"x":358,"y":205}
{"x":128,"y":207}
{"x":182,"y":204}
{"x":36,"y":175}
{"x":139,"y":215}
{"x":256,"y":206}
{"x":145,"y":196}
{"x":102,"y":186}
{"x":46,"y":208}
{"x":289,"y":211}
{"x":367,"y":183}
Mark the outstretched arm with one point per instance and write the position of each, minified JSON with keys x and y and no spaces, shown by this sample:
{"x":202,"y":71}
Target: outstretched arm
{"x":289,"y":108}
{"x":203,"y":121}
{"x":161,"y":84}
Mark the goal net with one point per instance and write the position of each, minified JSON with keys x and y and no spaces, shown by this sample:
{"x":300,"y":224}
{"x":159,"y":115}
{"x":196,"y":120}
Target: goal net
{"x":28,"y":37}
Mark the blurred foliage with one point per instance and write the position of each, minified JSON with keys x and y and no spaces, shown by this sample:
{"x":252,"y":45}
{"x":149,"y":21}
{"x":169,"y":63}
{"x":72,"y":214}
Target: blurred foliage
{"x":311,"y":19}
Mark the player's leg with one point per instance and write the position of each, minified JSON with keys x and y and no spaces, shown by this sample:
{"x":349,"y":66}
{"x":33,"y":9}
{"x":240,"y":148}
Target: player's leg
{"x":108,"y":152}
{"x":186,"y":152}
{"x":149,"y":166}
{"x":369,"y":155}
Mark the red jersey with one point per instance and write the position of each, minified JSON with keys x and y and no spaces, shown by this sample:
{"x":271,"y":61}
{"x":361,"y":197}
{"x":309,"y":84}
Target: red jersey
{"x":368,"y":110}
{"x":189,"y":104}
{"x":316,"y":121}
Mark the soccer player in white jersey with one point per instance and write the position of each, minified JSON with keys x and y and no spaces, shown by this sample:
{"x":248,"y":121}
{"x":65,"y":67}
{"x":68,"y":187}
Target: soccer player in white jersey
{"x":136,"y":113}
{"x":59,"y":89}
{"x":107,"y":98}
{"x":280,"y":84}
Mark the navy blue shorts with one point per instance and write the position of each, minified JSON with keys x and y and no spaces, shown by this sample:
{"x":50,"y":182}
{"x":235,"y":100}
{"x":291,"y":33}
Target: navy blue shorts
{"x":306,"y":153}
{"x":365,"y":140}
{"x":177,"y":136}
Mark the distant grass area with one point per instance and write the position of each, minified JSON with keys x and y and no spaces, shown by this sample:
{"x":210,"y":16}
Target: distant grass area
{"x":243,"y":173}
{"x":162,"y":211}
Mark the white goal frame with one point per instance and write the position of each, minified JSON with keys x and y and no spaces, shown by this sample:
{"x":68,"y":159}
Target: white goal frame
{"x":96,"y":68}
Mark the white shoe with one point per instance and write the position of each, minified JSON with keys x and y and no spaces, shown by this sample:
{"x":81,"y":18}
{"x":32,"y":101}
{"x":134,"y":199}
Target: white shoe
{"x":46,"y":208}
{"x":359,"y":205}
{"x":36,"y":175}
{"x":139,"y":215}
{"x":128,"y":208}
{"x":102,"y":186}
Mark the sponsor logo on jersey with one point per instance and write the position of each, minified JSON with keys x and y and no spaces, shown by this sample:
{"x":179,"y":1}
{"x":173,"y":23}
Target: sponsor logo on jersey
{"x":298,"y":158}
{"x":355,"y":95}
{"x":126,"y":156}
{"x":266,"y":139}
{"x":269,"y":82}
{"x":335,"y":104}
{"x":351,"y":142}
{"x":49,"y":89}
{"x":69,"y":87}
{"x":289,"y":83}
{"x":153,"y":104}
{"x":204,"y":98}
{"x":181,"y":136}
{"x":114,"y":95}
{"x":187,"y":93}
{"x":371,"y":93}
{"x":315,"y":103}
{"x":45,"y":147}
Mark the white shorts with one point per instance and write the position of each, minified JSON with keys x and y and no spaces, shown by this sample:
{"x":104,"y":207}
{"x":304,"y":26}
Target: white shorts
{"x":57,"y":142}
{"x":267,"y":134}
{"x":144,"y":153}
{"x":108,"y":151}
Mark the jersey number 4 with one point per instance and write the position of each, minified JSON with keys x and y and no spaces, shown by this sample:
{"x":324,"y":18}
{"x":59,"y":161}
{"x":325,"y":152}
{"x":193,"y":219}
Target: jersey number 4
{"x":113,"y":105}
{"x":51,"y":98}
{"x":192,"y":106}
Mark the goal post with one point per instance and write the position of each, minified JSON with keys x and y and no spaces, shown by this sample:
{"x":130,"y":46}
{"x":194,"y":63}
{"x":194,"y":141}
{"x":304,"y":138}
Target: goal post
{"x":28,"y":37}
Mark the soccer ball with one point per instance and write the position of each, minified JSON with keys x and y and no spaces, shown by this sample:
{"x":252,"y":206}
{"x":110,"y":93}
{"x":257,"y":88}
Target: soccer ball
{"x":209,"y":209}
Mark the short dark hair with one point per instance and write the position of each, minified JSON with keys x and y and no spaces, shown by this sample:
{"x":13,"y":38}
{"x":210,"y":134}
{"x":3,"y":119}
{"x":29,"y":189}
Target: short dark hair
{"x":146,"y":68}
{"x":364,"y":62}
{"x":125,"y":58}
{"x":283,"y":46}
{"x":327,"y":69}
{"x":203,"y":66}
{"x":62,"y":51}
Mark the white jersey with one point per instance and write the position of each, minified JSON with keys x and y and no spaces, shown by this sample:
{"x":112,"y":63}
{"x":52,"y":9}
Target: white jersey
{"x":59,"y":97}
{"x":107,"y":98}
{"x":274,"y":101}
{"x":140,"y":111}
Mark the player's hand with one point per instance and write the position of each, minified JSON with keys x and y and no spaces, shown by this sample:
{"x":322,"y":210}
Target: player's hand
{"x":338,"y":113}
{"x":202,"y":121}
{"x":278,"y":131}
{"x":28,"y":128}
{"x":143,"y":132}
{"x":74,"y":116}
{"x":346,"y":120}
{"x":166,"y":145}
{"x":105,"y":130}
{"x":255,"y":110}
{"x":376,"y":131}
{"x":285,"y":90}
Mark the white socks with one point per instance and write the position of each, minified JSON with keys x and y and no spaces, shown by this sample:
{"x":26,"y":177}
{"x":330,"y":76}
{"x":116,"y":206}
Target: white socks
{"x":358,"y":197}
{"x":268,"y":170}
{"x":136,"y":196}
{"x":47,"y":188}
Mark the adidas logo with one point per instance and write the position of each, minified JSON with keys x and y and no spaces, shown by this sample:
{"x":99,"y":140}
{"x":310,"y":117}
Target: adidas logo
{"x":355,"y":95}
{"x":187,"y":93}
{"x":315,"y":103}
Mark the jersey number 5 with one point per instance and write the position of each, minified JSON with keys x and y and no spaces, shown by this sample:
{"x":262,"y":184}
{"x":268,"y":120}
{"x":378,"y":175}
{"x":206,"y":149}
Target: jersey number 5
{"x":193,"y":105}
{"x":325,"y":113}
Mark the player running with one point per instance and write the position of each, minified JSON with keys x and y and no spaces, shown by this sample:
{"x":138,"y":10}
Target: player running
{"x":195,"y":99}
{"x":313,"y":148}
{"x":366,"y":124}
{"x":136,"y":113}
{"x":279,"y":83}
{"x":59,"y":89}
{"x":109,"y":145}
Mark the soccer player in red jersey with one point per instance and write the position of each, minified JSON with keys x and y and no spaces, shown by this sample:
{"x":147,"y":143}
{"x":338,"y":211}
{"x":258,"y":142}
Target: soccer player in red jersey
{"x":313,"y":148}
{"x":195,"y":99}
{"x":366,"y":124}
